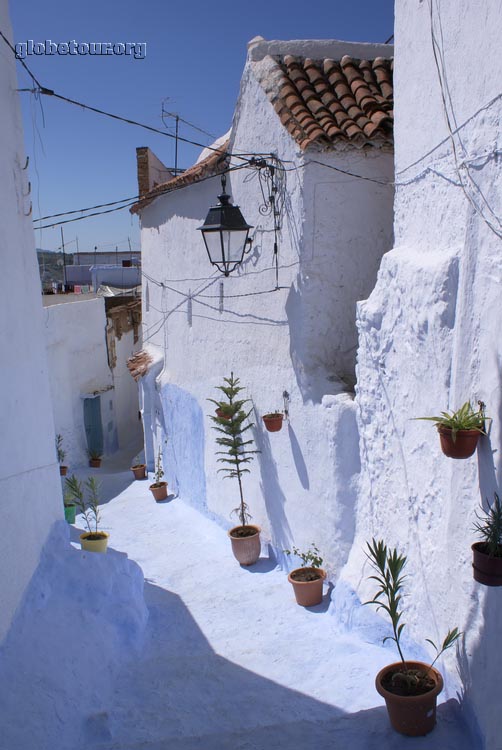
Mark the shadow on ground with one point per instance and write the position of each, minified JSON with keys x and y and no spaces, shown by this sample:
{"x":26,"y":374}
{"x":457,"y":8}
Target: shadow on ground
{"x":180,"y":694}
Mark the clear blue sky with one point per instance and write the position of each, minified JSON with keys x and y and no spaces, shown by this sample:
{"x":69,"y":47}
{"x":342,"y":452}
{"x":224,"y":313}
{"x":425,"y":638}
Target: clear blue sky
{"x":195,"y":53}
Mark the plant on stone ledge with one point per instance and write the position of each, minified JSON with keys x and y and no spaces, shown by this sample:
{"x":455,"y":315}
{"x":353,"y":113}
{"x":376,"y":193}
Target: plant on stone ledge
{"x":236,"y":455}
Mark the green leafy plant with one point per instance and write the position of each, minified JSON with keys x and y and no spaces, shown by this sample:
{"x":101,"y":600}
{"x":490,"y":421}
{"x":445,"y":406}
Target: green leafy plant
{"x":59,"y":448}
{"x":232,"y":425}
{"x":489,"y":527}
{"x":310,"y":558}
{"x":389,"y":565}
{"x":159,"y":471}
{"x":86,"y":497}
{"x":94,"y":455}
{"x":464,"y":418}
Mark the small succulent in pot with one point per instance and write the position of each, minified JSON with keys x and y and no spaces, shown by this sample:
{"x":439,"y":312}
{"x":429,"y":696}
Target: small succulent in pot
{"x":159,"y":488}
{"x":459,"y":431}
{"x":94,"y":458}
{"x":307,"y":581}
{"x":487,"y":553}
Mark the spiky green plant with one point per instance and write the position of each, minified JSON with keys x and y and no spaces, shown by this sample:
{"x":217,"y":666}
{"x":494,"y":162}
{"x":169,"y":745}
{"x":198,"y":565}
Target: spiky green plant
{"x":464,"y":418}
{"x":489,"y":527}
{"x":86,"y":498}
{"x":389,"y":566}
{"x":59,"y":448}
{"x":232,"y":425}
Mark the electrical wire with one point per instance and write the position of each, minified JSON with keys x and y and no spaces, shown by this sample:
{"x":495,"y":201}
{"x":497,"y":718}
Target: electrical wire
{"x":440,"y":67}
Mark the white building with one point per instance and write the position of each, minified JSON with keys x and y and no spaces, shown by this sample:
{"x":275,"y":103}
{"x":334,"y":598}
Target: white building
{"x":89,"y":340}
{"x":321,"y":113}
{"x":429,"y":336}
{"x":29,"y":478}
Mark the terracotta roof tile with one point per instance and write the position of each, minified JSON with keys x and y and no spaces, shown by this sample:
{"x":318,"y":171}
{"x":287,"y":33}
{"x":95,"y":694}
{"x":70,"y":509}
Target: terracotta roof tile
{"x":325,"y":101}
{"x":139,"y":364}
{"x":214,"y":164}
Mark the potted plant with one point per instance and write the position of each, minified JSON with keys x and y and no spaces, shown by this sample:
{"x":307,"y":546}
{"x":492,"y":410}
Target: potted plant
{"x":159,"y":488}
{"x":236,"y":454}
{"x":61,"y":455}
{"x":410,"y":688}
{"x":459,"y":431}
{"x":94,"y":458}
{"x":307,"y":581}
{"x":70,"y":508}
{"x":86,"y":498}
{"x":273,"y":421}
{"x":487,"y":554}
{"x":138,"y":469}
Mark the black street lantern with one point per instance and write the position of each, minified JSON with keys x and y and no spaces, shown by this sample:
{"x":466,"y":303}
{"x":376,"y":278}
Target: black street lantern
{"x":225,"y":233}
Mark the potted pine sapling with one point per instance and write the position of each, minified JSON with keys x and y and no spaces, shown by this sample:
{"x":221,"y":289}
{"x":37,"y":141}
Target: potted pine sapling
{"x":159,"y":488}
{"x":94,"y":458}
{"x":487,"y":554}
{"x":61,"y":455}
{"x":86,"y":497}
{"x":460,"y":431}
{"x":273,"y":421}
{"x":410,"y":688}
{"x":307,"y":581}
{"x":236,"y":455}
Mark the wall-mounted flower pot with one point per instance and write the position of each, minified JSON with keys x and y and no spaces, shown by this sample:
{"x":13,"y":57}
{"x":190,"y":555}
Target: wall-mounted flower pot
{"x":95,"y":463}
{"x":221,"y":414}
{"x":486,"y":569}
{"x":246,"y":544}
{"x":413,"y":715}
{"x":70,"y":512}
{"x":62,"y":470}
{"x":273,"y":422}
{"x":159,"y":491}
{"x":307,"y":585}
{"x":463,"y":446}
{"x":94,"y":542}
{"x":139,"y":471}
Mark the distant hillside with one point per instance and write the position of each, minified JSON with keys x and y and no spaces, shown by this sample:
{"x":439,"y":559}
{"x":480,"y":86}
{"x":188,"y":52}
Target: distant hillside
{"x":50,"y":265}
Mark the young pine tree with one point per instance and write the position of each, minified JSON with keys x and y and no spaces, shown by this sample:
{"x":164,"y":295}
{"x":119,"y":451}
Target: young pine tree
{"x":231,"y":422}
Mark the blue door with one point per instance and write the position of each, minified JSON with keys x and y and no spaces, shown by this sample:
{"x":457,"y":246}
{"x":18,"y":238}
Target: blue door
{"x":93,"y":425}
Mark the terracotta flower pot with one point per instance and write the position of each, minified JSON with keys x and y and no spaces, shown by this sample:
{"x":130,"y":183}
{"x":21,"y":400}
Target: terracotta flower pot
{"x":70,"y":512}
{"x":246,"y":549}
{"x":486,"y":569}
{"x":464,"y":444}
{"x":139,"y":471}
{"x":307,"y":593}
{"x":95,"y":463}
{"x":159,"y":491}
{"x":413,"y":715}
{"x":273,"y":422}
{"x":221,"y":414}
{"x":96,"y":542}
{"x":62,"y":470}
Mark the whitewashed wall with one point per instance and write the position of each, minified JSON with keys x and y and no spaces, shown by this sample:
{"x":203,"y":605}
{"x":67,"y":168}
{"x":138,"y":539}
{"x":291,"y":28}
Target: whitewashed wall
{"x":78,"y":365}
{"x":30,"y":488}
{"x":302,"y":486}
{"x":430,"y":338}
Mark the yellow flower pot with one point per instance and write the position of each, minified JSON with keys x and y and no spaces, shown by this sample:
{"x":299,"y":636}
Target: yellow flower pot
{"x":96,"y":542}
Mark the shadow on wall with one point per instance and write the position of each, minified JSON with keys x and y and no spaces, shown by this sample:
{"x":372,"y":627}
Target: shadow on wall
{"x":313,"y":364}
{"x":184,"y":450}
{"x":300,"y":465}
{"x":273,"y":495}
{"x":481,"y":671}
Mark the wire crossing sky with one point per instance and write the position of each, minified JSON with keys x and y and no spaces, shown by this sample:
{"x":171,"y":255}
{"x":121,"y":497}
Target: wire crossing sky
{"x":139,"y":62}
